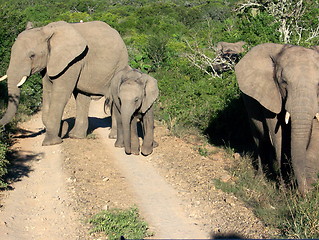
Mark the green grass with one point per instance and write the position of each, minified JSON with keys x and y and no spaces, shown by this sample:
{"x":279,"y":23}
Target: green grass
{"x":117,"y":222}
{"x":278,"y":207}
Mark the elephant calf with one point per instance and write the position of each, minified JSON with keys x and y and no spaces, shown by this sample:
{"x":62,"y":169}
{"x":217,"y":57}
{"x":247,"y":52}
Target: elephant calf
{"x":133,"y":94}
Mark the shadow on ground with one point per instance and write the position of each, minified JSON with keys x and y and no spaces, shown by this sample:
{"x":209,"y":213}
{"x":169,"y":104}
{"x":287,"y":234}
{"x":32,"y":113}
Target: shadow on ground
{"x":18,"y":166}
{"x":226,"y":236}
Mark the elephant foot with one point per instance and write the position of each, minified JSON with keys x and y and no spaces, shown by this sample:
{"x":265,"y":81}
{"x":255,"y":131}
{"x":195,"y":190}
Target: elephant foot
{"x":51,"y":141}
{"x":135,"y":151}
{"x":119,"y":144}
{"x":112,"y":135}
{"x":74,"y":134}
{"x":146,"y":151}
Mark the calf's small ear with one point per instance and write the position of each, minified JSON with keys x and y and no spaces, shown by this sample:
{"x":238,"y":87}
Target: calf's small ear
{"x":151,"y":92}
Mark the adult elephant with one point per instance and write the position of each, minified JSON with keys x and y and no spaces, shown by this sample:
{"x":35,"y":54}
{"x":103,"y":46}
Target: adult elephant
{"x":133,"y":95}
{"x":78,"y":58}
{"x":280,"y":84}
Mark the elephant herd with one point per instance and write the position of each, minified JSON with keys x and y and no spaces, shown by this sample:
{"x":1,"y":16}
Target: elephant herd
{"x":279,"y":85}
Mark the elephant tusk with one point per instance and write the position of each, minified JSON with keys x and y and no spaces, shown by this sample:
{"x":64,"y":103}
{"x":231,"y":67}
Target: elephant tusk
{"x":4,"y":77}
{"x":287,"y":117}
{"x":22,"y":81}
{"x":317,"y":116}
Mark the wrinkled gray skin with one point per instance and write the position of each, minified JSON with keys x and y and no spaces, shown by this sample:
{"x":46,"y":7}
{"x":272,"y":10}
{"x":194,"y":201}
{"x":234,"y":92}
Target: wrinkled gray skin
{"x":277,"y":79}
{"x":133,"y":95}
{"x":79,"y":58}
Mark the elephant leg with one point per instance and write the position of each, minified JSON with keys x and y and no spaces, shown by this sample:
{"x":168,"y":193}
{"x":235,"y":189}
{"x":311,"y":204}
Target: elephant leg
{"x":61,"y":90}
{"x":82,"y":114}
{"x":113,"y":131}
{"x":148,"y":125}
{"x":275,"y":137}
{"x":46,"y":95}
{"x":59,"y":98}
{"x":120,"y":138}
{"x":135,"y":144}
{"x":312,"y":162}
{"x":257,"y":115}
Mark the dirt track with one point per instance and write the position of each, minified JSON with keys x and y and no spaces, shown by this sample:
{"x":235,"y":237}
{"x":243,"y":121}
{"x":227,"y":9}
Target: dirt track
{"x":57,"y":188}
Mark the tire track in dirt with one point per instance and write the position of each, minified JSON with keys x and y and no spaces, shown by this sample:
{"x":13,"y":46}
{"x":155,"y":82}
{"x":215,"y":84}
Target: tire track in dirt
{"x":38,"y":207}
{"x":157,"y":200}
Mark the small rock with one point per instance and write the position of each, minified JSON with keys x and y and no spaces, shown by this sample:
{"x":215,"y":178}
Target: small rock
{"x":105,"y":179}
{"x":106,"y":207}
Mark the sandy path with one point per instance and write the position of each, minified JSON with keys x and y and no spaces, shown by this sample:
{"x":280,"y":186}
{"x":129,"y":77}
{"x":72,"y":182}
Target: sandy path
{"x":157,"y":200}
{"x":40,"y":207}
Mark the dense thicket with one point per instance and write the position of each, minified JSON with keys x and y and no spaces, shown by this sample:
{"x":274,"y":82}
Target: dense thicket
{"x":161,"y":36}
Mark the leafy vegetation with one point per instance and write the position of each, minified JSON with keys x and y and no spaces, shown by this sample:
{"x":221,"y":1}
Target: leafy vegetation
{"x":116,"y":223}
{"x":159,"y":36}
{"x":282,"y":208}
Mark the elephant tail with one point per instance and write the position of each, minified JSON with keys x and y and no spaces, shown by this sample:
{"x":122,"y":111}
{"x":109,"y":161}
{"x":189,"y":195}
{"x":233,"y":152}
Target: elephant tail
{"x":107,"y":104}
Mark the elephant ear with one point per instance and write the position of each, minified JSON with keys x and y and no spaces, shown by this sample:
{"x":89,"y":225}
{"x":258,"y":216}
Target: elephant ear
{"x":65,"y":44}
{"x":151,"y":92}
{"x":255,"y":74}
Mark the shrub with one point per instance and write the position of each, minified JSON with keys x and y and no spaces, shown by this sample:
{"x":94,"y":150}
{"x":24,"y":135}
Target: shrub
{"x":116,"y":223}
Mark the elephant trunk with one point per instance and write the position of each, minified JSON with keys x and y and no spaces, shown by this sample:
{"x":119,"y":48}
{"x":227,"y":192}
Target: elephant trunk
{"x":301,"y":125}
{"x":17,"y":74}
{"x":13,"y":102}
{"x":126,"y":114}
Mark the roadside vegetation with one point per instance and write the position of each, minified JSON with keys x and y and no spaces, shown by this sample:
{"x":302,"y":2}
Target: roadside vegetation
{"x":168,"y":39}
{"x":117,"y":223}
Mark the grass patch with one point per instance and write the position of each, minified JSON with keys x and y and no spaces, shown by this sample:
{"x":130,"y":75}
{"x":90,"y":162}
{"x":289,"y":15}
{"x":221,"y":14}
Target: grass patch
{"x":278,"y":207}
{"x":117,"y":222}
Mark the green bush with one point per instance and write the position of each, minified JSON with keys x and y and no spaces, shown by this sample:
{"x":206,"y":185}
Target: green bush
{"x":116,"y":223}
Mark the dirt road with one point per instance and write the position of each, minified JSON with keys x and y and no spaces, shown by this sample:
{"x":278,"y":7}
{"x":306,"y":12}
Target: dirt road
{"x":57,"y":188}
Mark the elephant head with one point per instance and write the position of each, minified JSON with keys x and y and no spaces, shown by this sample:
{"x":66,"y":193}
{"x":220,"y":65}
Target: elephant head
{"x":231,"y":48}
{"x":39,"y":49}
{"x":136,"y":92}
{"x":285,"y":78}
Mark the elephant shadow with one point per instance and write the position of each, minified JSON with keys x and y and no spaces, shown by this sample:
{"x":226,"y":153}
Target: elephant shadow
{"x":230,"y":128}
{"x":94,"y":123}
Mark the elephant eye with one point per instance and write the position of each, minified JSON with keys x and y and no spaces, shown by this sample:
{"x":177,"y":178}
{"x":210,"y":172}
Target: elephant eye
{"x":32,"y":55}
{"x":136,"y":99}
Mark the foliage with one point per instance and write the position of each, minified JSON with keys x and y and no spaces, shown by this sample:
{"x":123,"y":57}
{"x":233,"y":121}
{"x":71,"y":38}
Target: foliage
{"x":294,"y":215}
{"x":159,"y":36}
{"x":116,"y":223}
{"x":3,"y":161}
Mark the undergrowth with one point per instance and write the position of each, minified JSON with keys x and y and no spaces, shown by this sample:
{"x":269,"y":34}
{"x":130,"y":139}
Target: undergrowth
{"x":279,"y":207}
{"x":117,"y":222}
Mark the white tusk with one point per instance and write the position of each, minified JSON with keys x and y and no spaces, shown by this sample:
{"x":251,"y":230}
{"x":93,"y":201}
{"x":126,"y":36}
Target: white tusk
{"x":287,"y":117}
{"x":4,"y":77}
{"x":22,"y":81}
{"x":317,"y":116}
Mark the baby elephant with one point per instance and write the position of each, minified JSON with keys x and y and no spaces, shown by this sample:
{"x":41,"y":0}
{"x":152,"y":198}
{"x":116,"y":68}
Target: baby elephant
{"x":133,"y":95}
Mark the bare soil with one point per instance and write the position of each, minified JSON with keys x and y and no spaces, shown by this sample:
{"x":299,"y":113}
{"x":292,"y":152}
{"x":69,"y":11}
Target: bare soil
{"x":56,"y":189}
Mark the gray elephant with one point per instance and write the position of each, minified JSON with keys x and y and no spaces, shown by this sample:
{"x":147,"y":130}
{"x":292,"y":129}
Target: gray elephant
{"x":133,"y":94}
{"x":228,"y":55}
{"x":280,"y":86}
{"x":78,"y":58}
{"x":231,"y":48}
